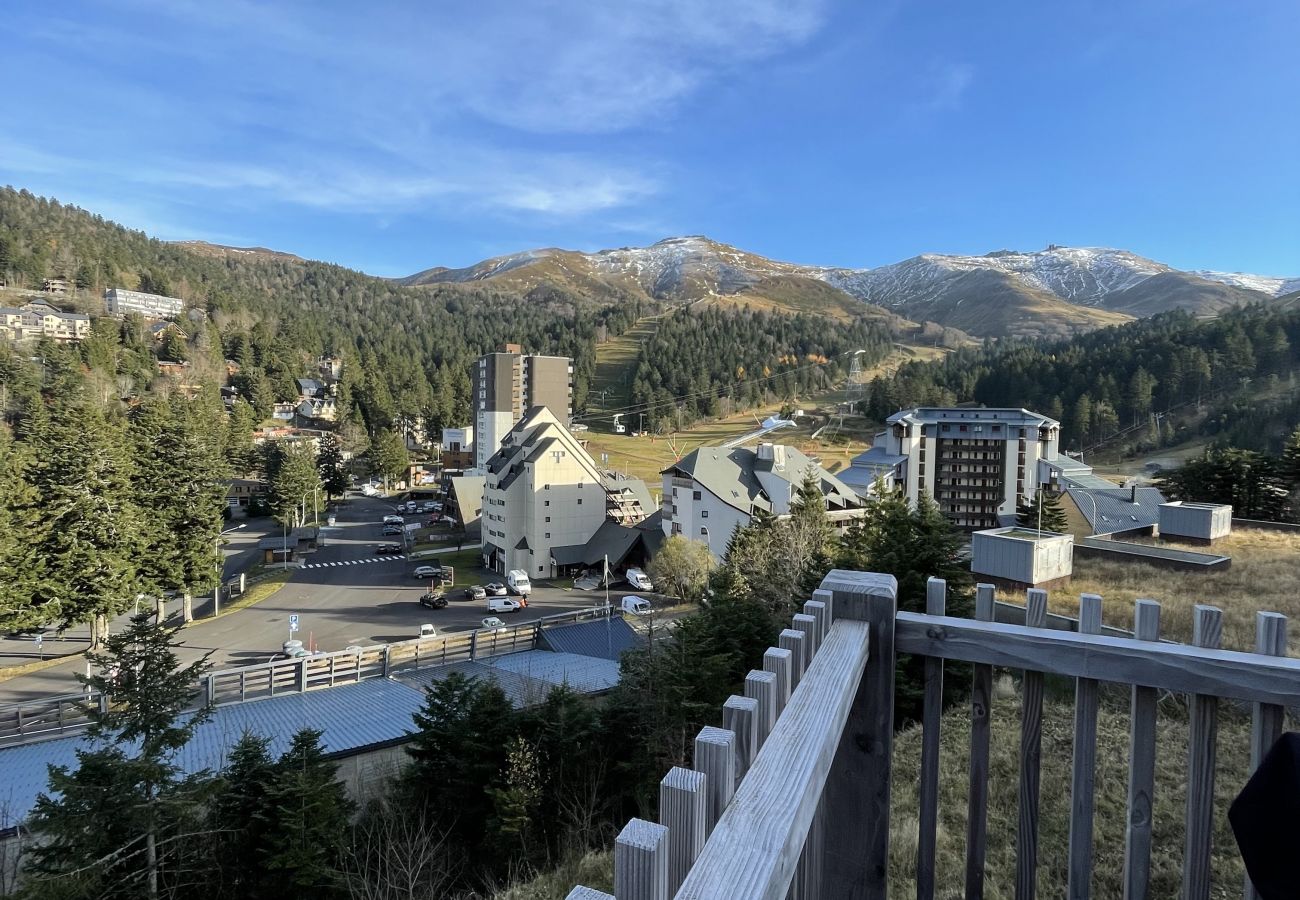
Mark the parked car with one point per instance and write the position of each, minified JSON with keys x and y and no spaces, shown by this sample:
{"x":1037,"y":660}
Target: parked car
{"x":495,"y":589}
{"x":475,"y":592}
{"x":388,"y":549}
{"x":427,"y":571}
{"x":393,"y":529}
{"x":428,"y":506}
{"x":394,"y":520}
{"x":433,"y":600}
{"x":504,"y":605}
{"x":410,"y":506}
{"x":639,"y":580}
{"x":428,"y":631}
{"x":492,"y":623}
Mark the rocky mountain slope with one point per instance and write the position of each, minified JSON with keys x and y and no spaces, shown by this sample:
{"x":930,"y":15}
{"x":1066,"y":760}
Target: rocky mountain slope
{"x":1060,"y":290}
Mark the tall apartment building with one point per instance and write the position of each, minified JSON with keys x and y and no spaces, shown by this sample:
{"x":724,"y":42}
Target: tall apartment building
{"x":507,"y":384}
{"x":119,"y":302}
{"x":544,"y":499}
{"x":975,"y":463}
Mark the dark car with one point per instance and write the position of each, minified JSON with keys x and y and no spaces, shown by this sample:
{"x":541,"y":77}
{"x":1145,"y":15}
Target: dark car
{"x":433,"y":600}
{"x":388,"y":549}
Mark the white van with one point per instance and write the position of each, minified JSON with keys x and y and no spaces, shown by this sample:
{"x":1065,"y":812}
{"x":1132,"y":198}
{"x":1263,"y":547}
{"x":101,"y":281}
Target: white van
{"x":503,"y":605}
{"x":637,"y":606}
{"x":639,"y":580}
{"x":517,"y":582}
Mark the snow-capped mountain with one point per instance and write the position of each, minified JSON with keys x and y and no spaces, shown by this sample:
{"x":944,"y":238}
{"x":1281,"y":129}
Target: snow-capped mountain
{"x":1056,"y":290}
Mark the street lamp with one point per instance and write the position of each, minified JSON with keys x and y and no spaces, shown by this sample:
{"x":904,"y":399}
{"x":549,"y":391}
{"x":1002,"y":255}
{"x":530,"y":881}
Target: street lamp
{"x":216,"y":591}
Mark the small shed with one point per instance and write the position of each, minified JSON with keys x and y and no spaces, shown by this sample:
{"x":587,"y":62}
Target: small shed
{"x":1022,"y":557}
{"x":1197,"y":523}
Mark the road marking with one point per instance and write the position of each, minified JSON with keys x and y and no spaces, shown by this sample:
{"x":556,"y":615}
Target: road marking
{"x":353,"y":562}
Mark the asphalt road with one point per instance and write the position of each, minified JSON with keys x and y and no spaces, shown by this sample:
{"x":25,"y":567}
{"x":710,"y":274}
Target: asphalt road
{"x":362,"y":601}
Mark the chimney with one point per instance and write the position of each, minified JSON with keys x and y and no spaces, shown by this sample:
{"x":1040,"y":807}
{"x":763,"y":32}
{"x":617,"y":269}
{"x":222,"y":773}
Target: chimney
{"x":1133,"y":493}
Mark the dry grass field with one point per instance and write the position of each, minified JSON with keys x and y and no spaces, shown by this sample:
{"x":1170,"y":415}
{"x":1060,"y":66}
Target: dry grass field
{"x":1264,"y":576}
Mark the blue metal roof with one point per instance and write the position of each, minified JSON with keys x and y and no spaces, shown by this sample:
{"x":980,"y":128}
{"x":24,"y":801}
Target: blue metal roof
{"x":352,"y":717}
{"x":605,"y":639}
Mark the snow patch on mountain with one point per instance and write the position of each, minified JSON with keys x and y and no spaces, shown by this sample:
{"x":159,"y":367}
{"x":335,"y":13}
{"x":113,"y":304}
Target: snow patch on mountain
{"x":1265,"y":284}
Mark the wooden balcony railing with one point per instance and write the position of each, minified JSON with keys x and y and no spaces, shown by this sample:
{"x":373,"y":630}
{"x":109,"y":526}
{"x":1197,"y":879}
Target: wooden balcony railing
{"x":790,"y":798}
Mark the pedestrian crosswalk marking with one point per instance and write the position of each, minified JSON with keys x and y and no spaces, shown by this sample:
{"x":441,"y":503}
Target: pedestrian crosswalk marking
{"x":353,"y":562}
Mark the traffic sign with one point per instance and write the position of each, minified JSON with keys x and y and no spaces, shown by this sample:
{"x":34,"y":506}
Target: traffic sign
{"x":40,"y":639}
{"x":293,"y":622}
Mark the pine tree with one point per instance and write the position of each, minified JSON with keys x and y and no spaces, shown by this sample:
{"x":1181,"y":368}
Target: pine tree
{"x":306,"y":823}
{"x":388,"y":456}
{"x":293,"y":482}
{"x":330,"y":465}
{"x":81,"y":472}
{"x":1043,"y":511}
{"x":119,"y":818}
{"x":21,"y":565}
{"x":240,"y":817}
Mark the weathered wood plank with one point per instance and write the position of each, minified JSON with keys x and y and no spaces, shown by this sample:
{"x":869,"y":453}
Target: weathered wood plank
{"x":980,"y":719}
{"x":936,"y":600}
{"x":715,"y":756}
{"x":1266,"y":719}
{"x":1031,"y":751}
{"x":1142,"y":766}
{"x":586,"y":893}
{"x":1084,"y":765}
{"x":761,"y":686}
{"x":778,"y":662}
{"x":856,"y":859}
{"x":740,"y":717}
{"x":753,"y":851}
{"x":1207,"y":631}
{"x":1172,"y":667}
{"x":683,"y":806}
{"x":793,"y":640}
{"x":641,"y":861}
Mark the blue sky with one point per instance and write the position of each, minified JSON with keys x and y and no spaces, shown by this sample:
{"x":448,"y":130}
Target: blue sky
{"x":391,"y":136}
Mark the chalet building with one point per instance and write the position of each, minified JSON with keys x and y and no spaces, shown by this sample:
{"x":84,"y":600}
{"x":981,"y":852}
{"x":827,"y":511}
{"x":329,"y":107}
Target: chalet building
{"x":545,"y":499}
{"x":713,"y":490}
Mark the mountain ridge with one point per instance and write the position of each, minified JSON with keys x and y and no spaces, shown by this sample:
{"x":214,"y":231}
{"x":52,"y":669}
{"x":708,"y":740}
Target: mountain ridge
{"x":1050,"y":292}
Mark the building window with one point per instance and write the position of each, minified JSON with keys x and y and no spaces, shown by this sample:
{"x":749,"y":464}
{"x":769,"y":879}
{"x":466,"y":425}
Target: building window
{"x":703,"y":531}
{"x":548,"y":518}
{"x":704,"y":514}
{"x":579,"y":501}
{"x":677,"y":528}
{"x":695,"y":495}
{"x":548,"y":535}
{"x":541,"y":569}
{"x":546,"y":487}
{"x":547,"y":502}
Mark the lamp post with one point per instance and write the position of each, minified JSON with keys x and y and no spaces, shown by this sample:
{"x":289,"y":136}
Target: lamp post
{"x":216,"y":591}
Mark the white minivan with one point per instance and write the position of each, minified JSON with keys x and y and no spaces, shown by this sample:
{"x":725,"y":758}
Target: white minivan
{"x":503,"y":605}
{"x":517,"y":582}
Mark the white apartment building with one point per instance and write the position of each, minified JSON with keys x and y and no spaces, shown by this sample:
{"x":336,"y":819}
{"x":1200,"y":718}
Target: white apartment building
{"x":543,"y":494}
{"x":975,"y":463}
{"x":120,"y":301}
{"x":712,"y":490}
{"x":36,"y":320}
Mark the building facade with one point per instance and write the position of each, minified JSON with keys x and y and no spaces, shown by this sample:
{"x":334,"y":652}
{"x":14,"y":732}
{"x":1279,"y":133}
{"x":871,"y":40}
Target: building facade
{"x":37,"y":320}
{"x":975,"y":463}
{"x":544,"y":495}
{"x":120,"y":301}
{"x":713,"y":490}
{"x":508,"y":383}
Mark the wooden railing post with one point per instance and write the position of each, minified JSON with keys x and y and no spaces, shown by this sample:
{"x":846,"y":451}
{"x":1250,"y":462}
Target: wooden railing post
{"x":807,"y":626}
{"x":793,"y":640}
{"x":981,"y":712}
{"x":856,"y":861}
{"x":936,"y":603}
{"x":1142,"y":766}
{"x":1266,"y":718}
{"x":1031,"y":751}
{"x":641,"y":861}
{"x":777,"y":661}
{"x":740,"y":717}
{"x":715,"y":756}
{"x":761,"y":686}
{"x":1079,"y":885}
{"x":683,"y":806}
{"x":1207,"y":631}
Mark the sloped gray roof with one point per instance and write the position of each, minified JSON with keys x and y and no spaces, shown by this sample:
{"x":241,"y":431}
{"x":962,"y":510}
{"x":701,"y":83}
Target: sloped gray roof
{"x":468,"y":491}
{"x":729,"y":475}
{"x":605,"y":639}
{"x":1110,"y":510}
